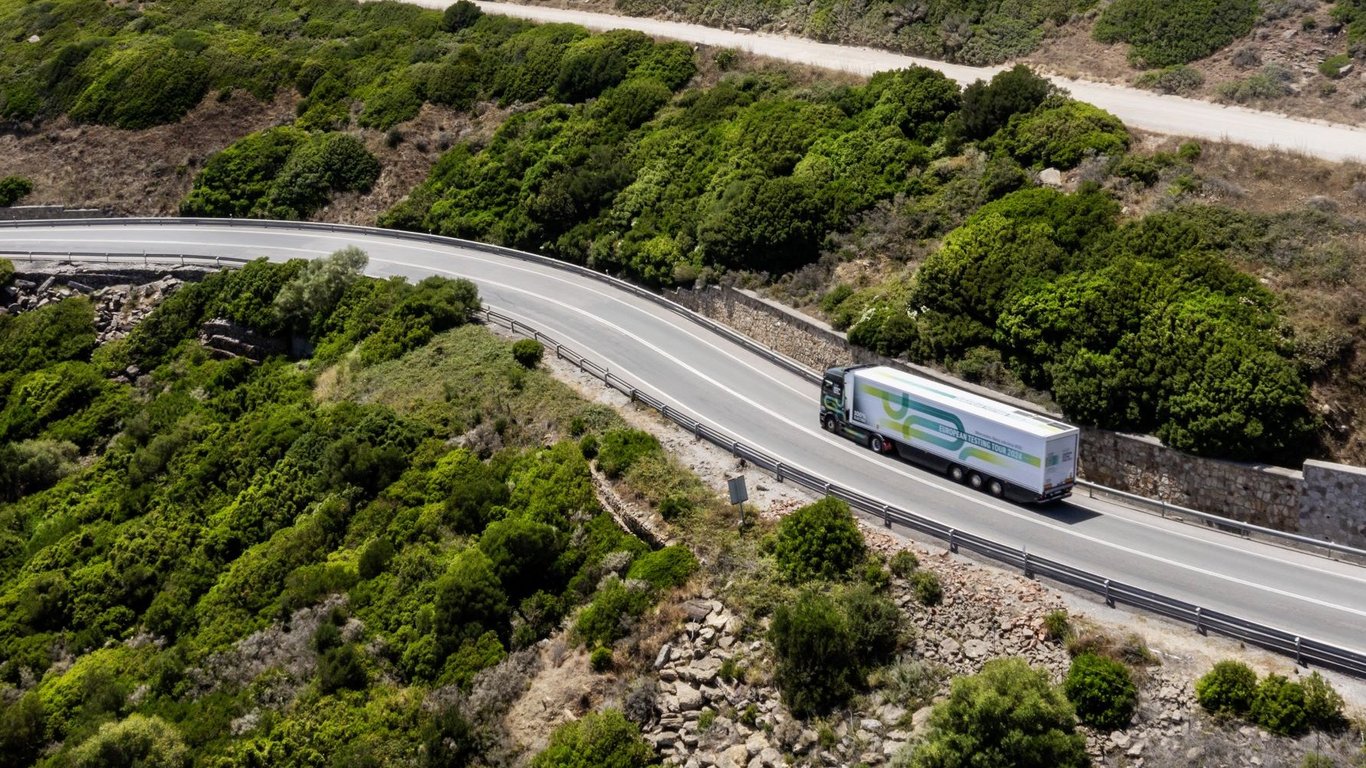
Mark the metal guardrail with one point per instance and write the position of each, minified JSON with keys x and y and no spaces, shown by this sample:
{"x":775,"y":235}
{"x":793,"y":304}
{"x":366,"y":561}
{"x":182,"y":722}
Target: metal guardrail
{"x":1141,"y":503}
{"x":1303,"y":650}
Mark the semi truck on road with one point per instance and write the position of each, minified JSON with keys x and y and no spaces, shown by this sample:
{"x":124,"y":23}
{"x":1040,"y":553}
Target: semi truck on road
{"x":988,"y":445}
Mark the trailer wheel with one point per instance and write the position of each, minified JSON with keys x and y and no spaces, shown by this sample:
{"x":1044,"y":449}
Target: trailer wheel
{"x":878,"y":444}
{"x":975,"y":480}
{"x":995,"y":488}
{"x":956,"y":473}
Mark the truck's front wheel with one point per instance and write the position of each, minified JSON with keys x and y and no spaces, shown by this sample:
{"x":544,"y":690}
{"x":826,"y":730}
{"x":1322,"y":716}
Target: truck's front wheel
{"x":878,"y":444}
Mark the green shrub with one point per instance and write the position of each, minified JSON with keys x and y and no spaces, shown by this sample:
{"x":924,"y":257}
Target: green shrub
{"x":1062,"y":136}
{"x":987,"y":107}
{"x":144,"y":84}
{"x":469,"y":599}
{"x":527,"y":352}
{"x":1057,"y":626}
{"x":139,"y":740}
{"x":674,"y":506}
{"x":235,"y":179}
{"x":341,"y":668}
{"x":903,"y":563}
{"x":1279,"y":706}
{"x":309,"y":298}
{"x":460,"y":15}
{"x":23,"y":728}
{"x":1333,"y":65}
{"x":1323,"y":706}
{"x":875,"y":576}
{"x":327,"y":163}
{"x":875,"y":624}
{"x":32,"y":465}
{"x":598,"y":740}
{"x":926,"y":588}
{"x":12,"y":189}
{"x":1102,"y":690}
{"x":600,"y":659}
{"x":588,"y":446}
{"x":594,"y":64}
{"x":1164,"y":33}
{"x":1178,"y":78}
{"x":818,"y":666}
{"x":669,"y":567}
{"x":818,"y":541}
{"x":608,"y":617}
{"x":1006,"y":716}
{"x":374,"y":558}
{"x":1271,"y":82}
{"x":522,"y":553}
{"x":620,"y":449}
{"x":1228,"y":687}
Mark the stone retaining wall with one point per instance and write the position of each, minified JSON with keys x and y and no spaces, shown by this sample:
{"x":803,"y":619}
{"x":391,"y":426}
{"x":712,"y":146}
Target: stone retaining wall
{"x":46,"y":212}
{"x":1326,"y":500}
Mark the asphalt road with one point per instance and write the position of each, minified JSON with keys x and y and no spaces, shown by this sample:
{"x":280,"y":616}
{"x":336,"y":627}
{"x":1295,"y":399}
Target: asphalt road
{"x":1171,"y":115}
{"x":768,"y":407}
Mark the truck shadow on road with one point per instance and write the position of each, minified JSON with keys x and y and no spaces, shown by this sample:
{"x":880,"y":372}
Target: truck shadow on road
{"x":1067,"y":513}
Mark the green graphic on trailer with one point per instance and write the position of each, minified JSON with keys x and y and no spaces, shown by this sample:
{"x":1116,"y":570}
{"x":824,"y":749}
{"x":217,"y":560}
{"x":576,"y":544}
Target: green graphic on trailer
{"x":921,"y":421}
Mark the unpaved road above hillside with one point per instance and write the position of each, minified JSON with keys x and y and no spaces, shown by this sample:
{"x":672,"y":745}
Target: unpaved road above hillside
{"x":1170,"y":115}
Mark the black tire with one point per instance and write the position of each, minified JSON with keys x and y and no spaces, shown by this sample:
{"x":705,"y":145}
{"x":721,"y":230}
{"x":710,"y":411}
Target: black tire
{"x":996,"y":488}
{"x":828,"y":422}
{"x":877,"y":444}
{"x":975,"y":480}
{"x":957,"y":473}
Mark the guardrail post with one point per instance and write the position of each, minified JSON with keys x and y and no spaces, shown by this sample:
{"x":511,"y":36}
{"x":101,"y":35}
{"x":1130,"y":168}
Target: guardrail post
{"x":697,"y":430}
{"x":1200,"y":620}
{"x":1027,"y":574}
{"x":559,"y":351}
{"x":1299,"y":652}
{"x":886,"y":516}
{"x":778,"y":471}
{"x":953,"y":545}
{"x":735,"y":448}
{"x":1109,"y":599}
{"x":632,"y":394}
{"x":826,"y":489}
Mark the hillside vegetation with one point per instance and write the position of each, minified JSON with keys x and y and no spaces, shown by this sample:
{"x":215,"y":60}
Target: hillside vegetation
{"x":224,"y":563}
{"x":616,"y":155}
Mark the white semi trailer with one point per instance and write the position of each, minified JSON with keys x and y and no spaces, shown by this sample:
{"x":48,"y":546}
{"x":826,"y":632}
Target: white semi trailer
{"x":987,"y":444}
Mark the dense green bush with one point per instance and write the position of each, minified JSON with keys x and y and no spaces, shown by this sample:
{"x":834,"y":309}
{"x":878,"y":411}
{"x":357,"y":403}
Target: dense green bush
{"x":1270,"y":82}
{"x":1006,"y":716}
{"x":611,"y":612}
{"x":460,"y":15}
{"x":665,"y":568}
{"x":527,"y":352}
{"x":818,"y":665}
{"x":305,"y":301}
{"x":903,"y":564}
{"x":12,"y":190}
{"x":1102,"y":690}
{"x":926,"y":588}
{"x":818,"y":541}
{"x":1061,"y":136}
{"x":1279,"y":706}
{"x":469,"y":599}
{"x":1163,"y":34}
{"x":522,"y":553}
{"x":341,"y":668}
{"x":987,"y":107}
{"x":280,"y":173}
{"x":1228,"y":687}
{"x":620,"y":449}
{"x":597,"y":740}
{"x":149,"y":82}
{"x":139,"y":740}
{"x":875,"y":625}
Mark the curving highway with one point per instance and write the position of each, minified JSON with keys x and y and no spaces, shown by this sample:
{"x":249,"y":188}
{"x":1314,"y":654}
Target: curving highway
{"x":766,"y":406}
{"x":1171,"y":115}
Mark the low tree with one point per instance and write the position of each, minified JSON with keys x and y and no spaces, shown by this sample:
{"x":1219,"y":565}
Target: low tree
{"x":315,"y":291}
{"x":1227,"y":688}
{"x":527,"y":352}
{"x":987,"y":107}
{"x":460,"y":15}
{"x":137,"y":742}
{"x":1278,"y":706}
{"x":1006,"y":716}
{"x":819,"y":541}
{"x":12,"y":190}
{"x":818,"y":665}
{"x":469,"y":599}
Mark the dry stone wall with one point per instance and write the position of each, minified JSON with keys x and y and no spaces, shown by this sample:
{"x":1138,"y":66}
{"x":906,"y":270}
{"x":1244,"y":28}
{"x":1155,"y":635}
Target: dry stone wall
{"x":1327,"y":501}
